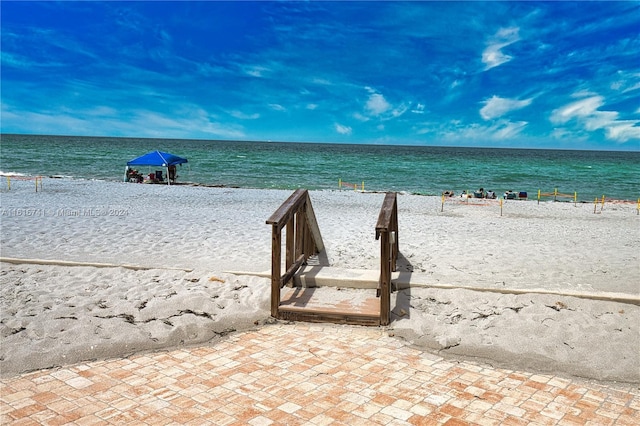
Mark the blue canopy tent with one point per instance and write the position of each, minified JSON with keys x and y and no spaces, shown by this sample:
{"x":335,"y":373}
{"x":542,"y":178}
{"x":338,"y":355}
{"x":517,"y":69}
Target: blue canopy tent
{"x":157,"y":159}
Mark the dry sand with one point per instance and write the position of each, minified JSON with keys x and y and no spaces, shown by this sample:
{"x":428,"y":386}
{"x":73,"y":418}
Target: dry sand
{"x":171,"y":248}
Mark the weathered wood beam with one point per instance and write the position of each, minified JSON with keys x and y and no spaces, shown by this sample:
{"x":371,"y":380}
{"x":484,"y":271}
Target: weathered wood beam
{"x":291,"y":272}
{"x":289,"y":208}
{"x":276,"y":259}
{"x":313,"y":227}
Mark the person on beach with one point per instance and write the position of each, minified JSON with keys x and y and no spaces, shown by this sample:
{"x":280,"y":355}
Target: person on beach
{"x":172,"y":174}
{"x":134,"y":176}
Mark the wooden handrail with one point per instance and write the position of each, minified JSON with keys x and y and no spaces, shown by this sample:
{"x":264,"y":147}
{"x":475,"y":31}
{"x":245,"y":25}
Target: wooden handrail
{"x":286,"y":211}
{"x":387,"y":233}
{"x":303,"y":240}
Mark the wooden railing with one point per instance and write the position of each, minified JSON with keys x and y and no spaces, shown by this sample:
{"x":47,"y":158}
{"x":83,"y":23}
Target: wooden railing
{"x":303,"y":240}
{"x":387,"y":232}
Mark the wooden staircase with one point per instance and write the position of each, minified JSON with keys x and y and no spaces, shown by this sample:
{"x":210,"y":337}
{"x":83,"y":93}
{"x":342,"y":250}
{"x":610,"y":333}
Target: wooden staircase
{"x":326,"y":304}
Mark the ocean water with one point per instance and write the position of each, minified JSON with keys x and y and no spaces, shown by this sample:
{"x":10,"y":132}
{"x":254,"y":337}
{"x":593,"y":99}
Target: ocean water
{"x":411,"y":169}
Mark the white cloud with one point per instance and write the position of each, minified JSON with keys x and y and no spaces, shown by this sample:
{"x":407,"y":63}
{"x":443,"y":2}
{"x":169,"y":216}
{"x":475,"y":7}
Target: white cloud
{"x":399,"y":110}
{"x":626,"y":82}
{"x":501,"y":130}
{"x":322,"y":81}
{"x":579,"y":109}
{"x":497,"y":107}
{"x":99,"y":121}
{"x":377,"y":104}
{"x":492,"y":56}
{"x":360,"y":117}
{"x":343,"y":130}
{"x":623,"y":130}
{"x":244,"y":116}
{"x":256,"y":71}
{"x":508,"y":130}
{"x":312,"y":106}
{"x":586,"y":112}
{"x":419,"y":109}
{"x":277,"y":107}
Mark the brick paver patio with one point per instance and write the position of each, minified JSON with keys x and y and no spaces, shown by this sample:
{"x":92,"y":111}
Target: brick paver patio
{"x":307,"y":374}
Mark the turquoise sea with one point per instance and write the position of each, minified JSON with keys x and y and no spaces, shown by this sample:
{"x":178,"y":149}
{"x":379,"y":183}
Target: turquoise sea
{"x":411,"y":169}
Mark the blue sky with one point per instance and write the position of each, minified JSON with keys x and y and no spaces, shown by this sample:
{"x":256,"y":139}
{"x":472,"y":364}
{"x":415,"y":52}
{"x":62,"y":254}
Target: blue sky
{"x":498,"y":74}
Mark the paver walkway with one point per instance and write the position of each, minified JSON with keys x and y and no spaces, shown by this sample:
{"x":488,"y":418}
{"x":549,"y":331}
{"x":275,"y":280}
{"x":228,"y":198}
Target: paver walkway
{"x":290,"y":374}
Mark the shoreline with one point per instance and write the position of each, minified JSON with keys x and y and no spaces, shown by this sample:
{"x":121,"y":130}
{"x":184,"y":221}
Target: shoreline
{"x":182,"y":240}
{"x":634,"y":201}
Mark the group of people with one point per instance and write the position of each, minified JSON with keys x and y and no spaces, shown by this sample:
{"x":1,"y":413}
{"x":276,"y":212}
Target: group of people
{"x":481,"y":193}
{"x":135,"y":176}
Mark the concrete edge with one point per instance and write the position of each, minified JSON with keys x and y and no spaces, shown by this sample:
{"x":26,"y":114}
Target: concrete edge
{"x":368,"y":279}
{"x":18,"y":261}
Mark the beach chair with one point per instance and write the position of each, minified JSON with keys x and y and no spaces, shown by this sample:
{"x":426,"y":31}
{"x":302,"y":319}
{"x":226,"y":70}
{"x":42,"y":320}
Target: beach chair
{"x":522,"y":195}
{"x":159,"y":177}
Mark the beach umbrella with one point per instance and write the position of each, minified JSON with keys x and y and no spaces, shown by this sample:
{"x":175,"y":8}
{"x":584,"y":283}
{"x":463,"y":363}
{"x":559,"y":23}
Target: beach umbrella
{"x":157,"y":159}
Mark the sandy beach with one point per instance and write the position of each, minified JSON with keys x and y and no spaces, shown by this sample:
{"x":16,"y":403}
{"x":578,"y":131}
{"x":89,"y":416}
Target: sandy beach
{"x":550,"y":287}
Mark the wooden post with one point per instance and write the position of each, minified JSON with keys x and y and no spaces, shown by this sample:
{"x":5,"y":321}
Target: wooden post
{"x":301,"y":223}
{"x":289,"y":245}
{"x":276,"y":254}
{"x":385,"y":279}
{"x":387,"y":233}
